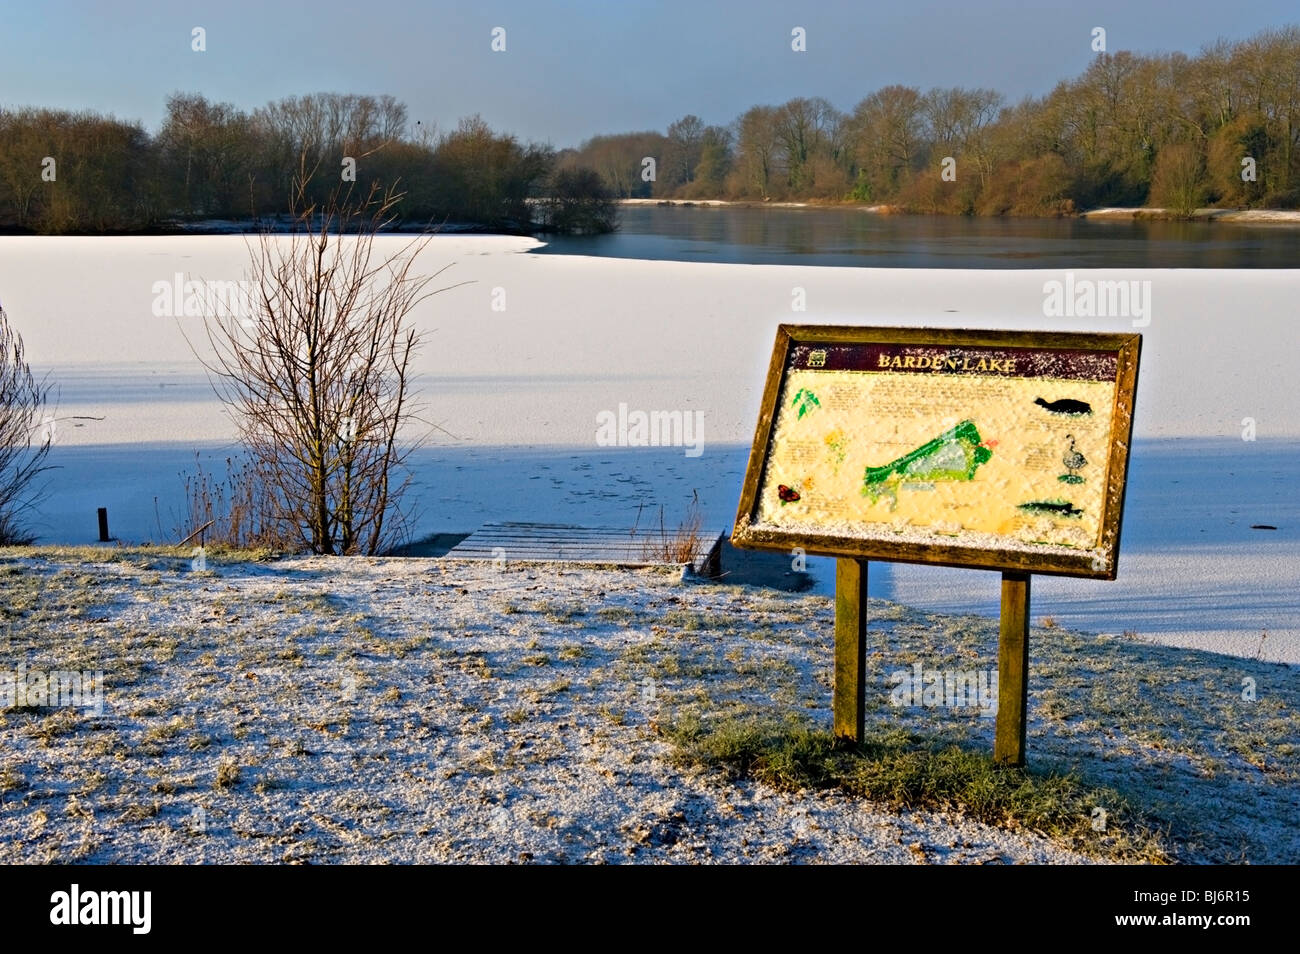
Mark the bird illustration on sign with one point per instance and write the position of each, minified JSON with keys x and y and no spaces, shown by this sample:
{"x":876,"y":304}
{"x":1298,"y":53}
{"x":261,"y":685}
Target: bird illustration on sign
{"x":1073,"y":461}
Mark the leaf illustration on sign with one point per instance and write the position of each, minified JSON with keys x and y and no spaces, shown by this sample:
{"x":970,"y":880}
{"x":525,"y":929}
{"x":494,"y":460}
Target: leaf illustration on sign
{"x":805,"y":401}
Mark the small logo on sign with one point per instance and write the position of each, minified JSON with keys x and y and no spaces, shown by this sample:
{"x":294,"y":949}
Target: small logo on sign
{"x":817,"y":359}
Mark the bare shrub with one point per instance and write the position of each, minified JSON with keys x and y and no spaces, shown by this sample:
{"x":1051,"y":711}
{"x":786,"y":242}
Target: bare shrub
{"x":1179,"y":180}
{"x":238,"y":510}
{"x":26,"y":433}
{"x":682,"y":545}
{"x":319,"y":377}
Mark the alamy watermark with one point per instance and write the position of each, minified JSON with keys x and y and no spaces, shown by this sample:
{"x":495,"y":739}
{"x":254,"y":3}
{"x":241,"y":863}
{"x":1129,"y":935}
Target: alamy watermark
{"x":130,"y":908}
{"x":1090,"y":298}
{"x":651,"y":429}
{"x":181,"y":298}
{"x":25,"y":687}
{"x":946,"y":688}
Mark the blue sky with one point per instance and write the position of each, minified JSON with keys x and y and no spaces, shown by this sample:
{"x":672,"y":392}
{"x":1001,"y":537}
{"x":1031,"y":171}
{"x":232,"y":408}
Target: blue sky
{"x":576,"y":67}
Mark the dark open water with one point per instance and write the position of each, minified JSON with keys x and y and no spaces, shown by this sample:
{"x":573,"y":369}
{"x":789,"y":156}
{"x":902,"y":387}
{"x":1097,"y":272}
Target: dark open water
{"x":856,"y":238}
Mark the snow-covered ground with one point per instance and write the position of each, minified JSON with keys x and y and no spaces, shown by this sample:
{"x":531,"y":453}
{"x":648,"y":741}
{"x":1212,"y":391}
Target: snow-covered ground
{"x":364,"y":710}
{"x":520,"y":361}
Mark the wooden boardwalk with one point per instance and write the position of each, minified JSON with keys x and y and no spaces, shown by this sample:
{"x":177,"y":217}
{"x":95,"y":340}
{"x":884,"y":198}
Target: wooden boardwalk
{"x":564,"y":543}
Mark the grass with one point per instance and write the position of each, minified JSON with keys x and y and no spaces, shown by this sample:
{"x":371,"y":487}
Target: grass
{"x":902,"y":770}
{"x":251,"y":671}
{"x":682,"y":545}
{"x":236,"y":512}
{"x":616,"y":614}
{"x":11,"y":780}
{"x":143,"y":556}
{"x":228,"y":773}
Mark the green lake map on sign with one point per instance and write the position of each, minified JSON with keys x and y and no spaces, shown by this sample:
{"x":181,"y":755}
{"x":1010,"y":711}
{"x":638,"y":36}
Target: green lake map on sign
{"x":884,"y":453}
{"x":953,"y":455}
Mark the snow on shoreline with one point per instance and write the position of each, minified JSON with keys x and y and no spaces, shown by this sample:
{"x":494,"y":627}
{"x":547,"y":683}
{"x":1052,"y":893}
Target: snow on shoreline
{"x":1108,"y":213}
{"x":1238,"y":216}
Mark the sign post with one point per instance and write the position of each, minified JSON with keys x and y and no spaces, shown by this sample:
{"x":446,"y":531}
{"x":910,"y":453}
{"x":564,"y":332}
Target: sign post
{"x":1013,"y":671}
{"x":850,"y":648}
{"x":998,"y":450}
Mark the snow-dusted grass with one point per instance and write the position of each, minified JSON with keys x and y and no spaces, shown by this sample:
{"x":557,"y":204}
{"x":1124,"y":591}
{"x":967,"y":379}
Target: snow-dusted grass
{"x":332,"y":710}
{"x":906,"y":770}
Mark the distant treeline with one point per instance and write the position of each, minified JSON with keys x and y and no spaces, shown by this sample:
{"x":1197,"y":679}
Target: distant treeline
{"x":1221,"y":128}
{"x":82,"y":172}
{"x":1171,"y":130}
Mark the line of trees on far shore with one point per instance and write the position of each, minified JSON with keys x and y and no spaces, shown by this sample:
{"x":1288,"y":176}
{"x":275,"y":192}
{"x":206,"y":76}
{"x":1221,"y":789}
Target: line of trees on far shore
{"x":1221,"y":128}
{"x":64,"y":172}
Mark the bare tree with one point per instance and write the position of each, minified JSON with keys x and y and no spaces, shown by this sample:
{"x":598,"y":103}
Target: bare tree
{"x":579,"y":202}
{"x":620,"y":160}
{"x":319,"y":376}
{"x":715,"y":163}
{"x":959,"y":121}
{"x":23,"y":450}
{"x":759,"y":149}
{"x":685,"y":143}
{"x":209,"y":150}
{"x":888,"y":132}
{"x":808,"y":129}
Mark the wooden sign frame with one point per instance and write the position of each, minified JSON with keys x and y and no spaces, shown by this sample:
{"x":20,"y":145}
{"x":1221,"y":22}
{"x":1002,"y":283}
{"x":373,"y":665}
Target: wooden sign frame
{"x":938,"y":351}
{"x":1098,"y":563}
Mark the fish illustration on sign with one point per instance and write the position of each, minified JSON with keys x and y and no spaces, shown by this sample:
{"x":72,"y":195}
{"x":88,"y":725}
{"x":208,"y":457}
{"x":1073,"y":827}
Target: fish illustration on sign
{"x":1067,"y":406}
{"x":1056,"y":508}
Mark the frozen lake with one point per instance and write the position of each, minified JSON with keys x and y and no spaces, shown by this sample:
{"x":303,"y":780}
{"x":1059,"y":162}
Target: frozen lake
{"x":516,"y":393}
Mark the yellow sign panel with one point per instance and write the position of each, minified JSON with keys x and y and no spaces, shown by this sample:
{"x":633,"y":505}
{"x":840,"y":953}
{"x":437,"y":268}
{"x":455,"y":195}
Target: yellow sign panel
{"x":995,"y":449}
